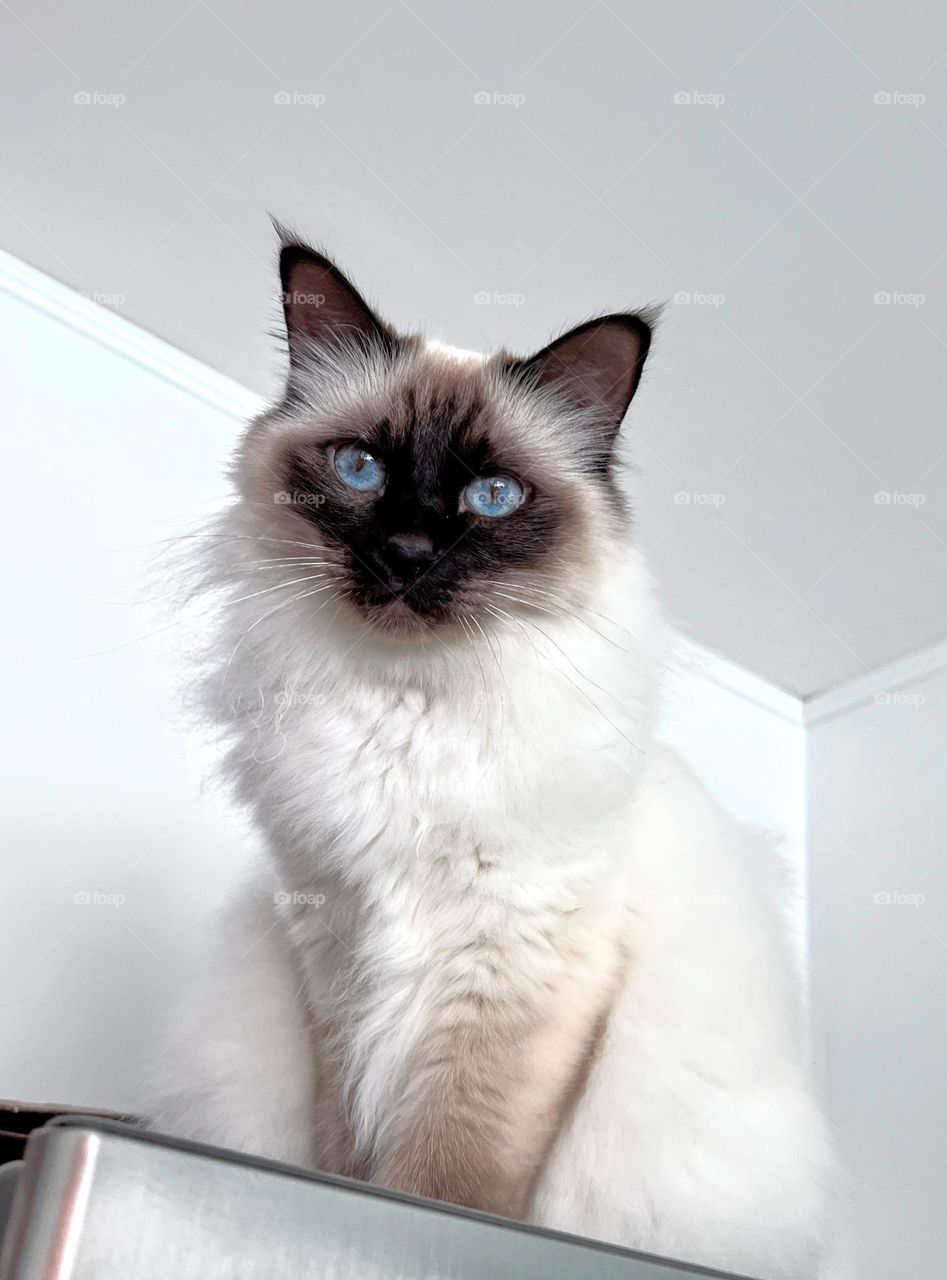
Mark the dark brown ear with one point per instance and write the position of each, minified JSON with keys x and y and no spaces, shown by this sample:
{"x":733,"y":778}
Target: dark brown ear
{"x":596,"y":367}
{"x":322,"y":308}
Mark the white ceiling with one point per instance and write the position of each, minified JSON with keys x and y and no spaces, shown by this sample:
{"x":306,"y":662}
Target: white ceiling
{"x":780,"y":413}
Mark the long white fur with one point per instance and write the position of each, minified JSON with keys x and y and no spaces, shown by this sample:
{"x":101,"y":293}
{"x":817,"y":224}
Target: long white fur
{"x":379,"y":772}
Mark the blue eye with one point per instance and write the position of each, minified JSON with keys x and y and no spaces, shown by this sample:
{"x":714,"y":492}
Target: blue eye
{"x":493,"y":495}
{"x":358,"y":468}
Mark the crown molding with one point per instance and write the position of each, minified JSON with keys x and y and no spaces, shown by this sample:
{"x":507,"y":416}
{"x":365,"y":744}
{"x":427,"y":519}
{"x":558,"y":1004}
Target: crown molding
{"x":692,"y":656}
{"x":873,"y":685}
{"x":95,"y":321}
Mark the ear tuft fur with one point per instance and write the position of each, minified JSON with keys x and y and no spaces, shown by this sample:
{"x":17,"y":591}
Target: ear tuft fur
{"x":322,"y":308}
{"x":595,"y":368}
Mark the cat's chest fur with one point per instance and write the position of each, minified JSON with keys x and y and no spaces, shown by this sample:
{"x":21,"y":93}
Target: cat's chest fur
{"x":406,"y":784}
{"x":455,"y":884}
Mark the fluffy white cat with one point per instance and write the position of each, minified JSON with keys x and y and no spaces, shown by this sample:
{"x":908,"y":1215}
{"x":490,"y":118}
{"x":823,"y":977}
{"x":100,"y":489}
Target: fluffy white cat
{"x":507,"y":951}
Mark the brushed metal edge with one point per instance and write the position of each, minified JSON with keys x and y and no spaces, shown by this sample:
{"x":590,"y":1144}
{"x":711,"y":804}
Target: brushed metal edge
{"x":50,"y":1205}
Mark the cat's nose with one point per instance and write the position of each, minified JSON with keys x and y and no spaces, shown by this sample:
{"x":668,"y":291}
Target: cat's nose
{"x":417,"y":548}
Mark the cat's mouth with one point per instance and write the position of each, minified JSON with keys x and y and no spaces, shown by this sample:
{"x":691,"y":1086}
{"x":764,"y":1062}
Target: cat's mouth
{"x":400,"y":607}
{"x":401,"y":616}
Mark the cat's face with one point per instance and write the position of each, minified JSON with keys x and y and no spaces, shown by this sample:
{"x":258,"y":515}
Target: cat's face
{"x":434,"y":485}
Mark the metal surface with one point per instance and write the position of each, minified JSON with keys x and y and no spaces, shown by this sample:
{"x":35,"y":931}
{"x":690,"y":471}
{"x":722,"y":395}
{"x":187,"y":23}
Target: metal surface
{"x":9,"y":1180}
{"x":98,"y":1201}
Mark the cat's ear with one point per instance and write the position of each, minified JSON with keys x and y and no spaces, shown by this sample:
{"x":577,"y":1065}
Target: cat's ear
{"x":595,"y":368}
{"x":322,"y":308}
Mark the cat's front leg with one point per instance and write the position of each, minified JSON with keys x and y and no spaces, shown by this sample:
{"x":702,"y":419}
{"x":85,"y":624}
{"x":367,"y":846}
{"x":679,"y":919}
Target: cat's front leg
{"x":457,"y":1138}
{"x":488,"y":1090}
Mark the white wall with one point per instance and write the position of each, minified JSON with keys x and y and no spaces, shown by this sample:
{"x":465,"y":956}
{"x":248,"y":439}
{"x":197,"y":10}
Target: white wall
{"x":102,"y":461}
{"x":117,"y":444}
{"x":878,"y":937}
{"x":746,"y":739}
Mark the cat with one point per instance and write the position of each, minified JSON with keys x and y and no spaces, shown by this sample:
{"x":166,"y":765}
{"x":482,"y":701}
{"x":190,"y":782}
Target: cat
{"x":506,"y":951}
